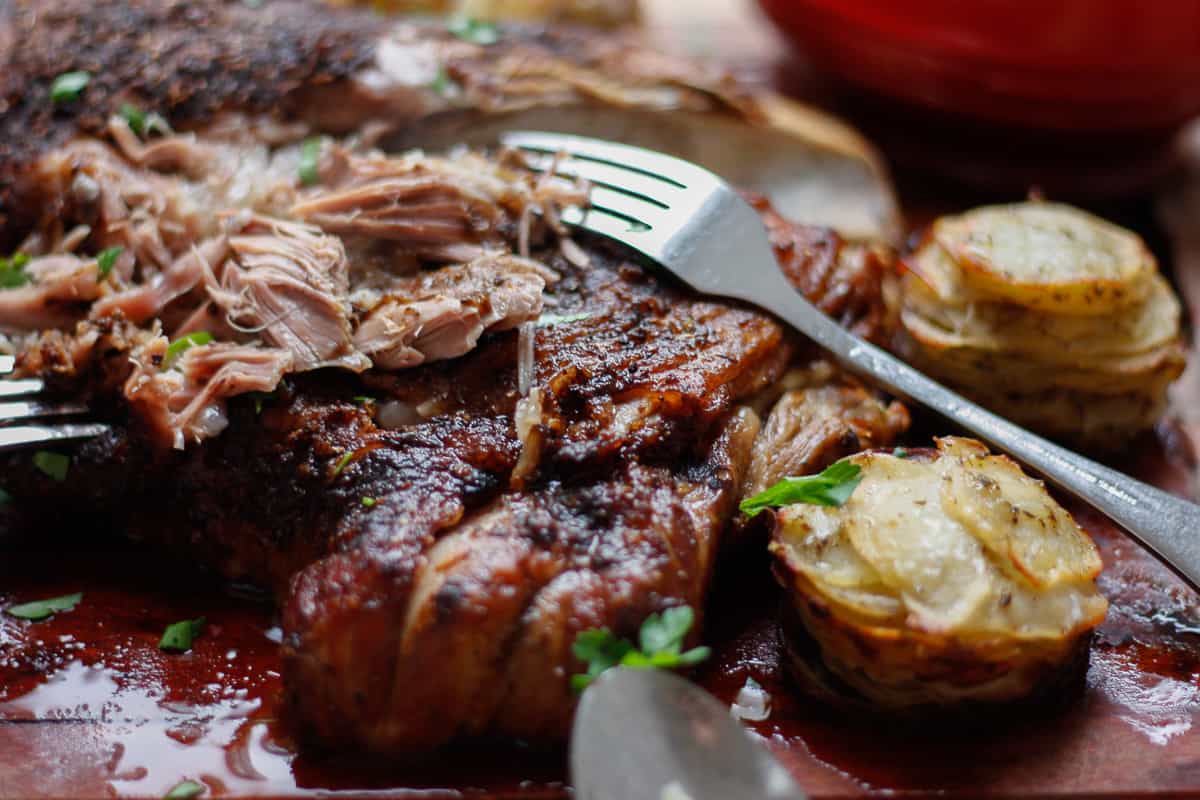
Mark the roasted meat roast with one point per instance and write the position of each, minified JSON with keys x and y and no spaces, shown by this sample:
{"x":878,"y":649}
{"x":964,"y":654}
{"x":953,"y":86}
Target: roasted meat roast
{"x":447,"y":433}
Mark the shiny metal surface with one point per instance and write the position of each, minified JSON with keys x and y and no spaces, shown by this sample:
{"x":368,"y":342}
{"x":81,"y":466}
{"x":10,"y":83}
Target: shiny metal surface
{"x":705,"y":234}
{"x":20,"y":387}
{"x":36,"y":409}
{"x":18,"y":436}
{"x":651,"y":735}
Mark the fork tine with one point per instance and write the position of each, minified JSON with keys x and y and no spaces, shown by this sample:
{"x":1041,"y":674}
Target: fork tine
{"x":608,"y":223}
{"x":681,"y":173}
{"x":21,"y":387}
{"x":28,"y":435}
{"x":639,"y":212}
{"x":617,"y":179}
{"x":32,"y":409}
{"x":6,"y":364}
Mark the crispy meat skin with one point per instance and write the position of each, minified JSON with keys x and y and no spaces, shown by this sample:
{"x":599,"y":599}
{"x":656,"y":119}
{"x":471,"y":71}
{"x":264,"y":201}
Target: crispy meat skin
{"x":256,"y":60}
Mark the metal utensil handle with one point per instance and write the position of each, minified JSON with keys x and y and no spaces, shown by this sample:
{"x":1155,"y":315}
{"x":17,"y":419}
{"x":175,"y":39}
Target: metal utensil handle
{"x":1167,"y":525}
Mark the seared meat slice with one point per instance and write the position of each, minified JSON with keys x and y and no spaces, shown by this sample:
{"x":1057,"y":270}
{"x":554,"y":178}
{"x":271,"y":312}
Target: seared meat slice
{"x":472,"y":632}
{"x":447,"y":606}
{"x":847,"y":280}
{"x":821,"y":417}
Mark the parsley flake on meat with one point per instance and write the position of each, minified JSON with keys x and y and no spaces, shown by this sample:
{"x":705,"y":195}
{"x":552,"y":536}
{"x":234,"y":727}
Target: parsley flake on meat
{"x":474,"y":30}
{"x":185,"y":791}
{"x":68,"y":86}
{"x":12,"y":271}
{"x":183,"y":344}
{"x":106,"y":260}
{"x":830,"y":487}
{"x":660,"y":646}
{"x":55,"y":465}
{"x":310,"y":160}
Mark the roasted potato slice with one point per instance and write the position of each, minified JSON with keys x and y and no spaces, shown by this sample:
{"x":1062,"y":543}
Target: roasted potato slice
{"x":1047,"y":256}
{"x":1047,"y":315}
{"x":1026,"y":532}
{"x":1092,"y":421}
{"x":1148,"y":324}
{"x":976,"y":586}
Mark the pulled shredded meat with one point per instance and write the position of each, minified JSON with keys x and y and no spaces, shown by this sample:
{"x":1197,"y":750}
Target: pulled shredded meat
{"x":441,"y":314}
{"x":440,"y":209}
{"x":186,"y":402}
{"x":62,"y":287}
{"x":289,"y":283}
{"x":388,"y":262}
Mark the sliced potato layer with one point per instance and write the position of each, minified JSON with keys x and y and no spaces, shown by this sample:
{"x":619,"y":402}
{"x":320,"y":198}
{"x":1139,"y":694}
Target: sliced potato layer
{"x":1048,"y":315}
{"x":1048,"y":256}
{"x":946,"y":576}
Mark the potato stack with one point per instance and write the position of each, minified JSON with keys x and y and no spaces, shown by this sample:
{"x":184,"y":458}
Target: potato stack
{"x":1049,"y":316}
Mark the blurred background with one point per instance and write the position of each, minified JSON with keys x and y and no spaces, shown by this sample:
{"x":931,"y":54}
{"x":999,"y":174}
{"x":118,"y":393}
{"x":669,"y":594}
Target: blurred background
{"x":1075,"y":97}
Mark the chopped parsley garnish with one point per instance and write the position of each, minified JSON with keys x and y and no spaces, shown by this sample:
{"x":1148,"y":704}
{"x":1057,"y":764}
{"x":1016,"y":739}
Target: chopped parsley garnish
{"x":310,"y":158}
{"x":53,"y":464}
{"x":106,"y":260}
{"x":185,"y":791}
{"x":41,"y":609}
{"x":12,"y":271}
{"x":546,"y":320}
{"x":183,"y":344}
{"x":135,"y":117}
{"x":178,"y":636}
{"x":443,"y":85}
{"x":660,"y":646}
{"x":369,"y":502}
{"x":473,"y":30}
{"x":346,"y":458}
{"x":68,"y":86}
{"x":143,"y":123}
{"x":831,"y":487}
{"x":362,"y":399}
{"x":900,"y":452}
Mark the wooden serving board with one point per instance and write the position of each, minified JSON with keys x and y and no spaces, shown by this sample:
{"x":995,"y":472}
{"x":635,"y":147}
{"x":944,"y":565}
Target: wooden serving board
{"x":90,"y":707}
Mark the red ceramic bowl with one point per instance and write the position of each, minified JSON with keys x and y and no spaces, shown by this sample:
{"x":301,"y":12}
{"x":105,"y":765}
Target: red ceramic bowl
{"x":1096,"y":66}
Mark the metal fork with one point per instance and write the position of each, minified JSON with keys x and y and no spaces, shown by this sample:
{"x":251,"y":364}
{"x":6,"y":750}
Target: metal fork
{"x":20,"y":402}
{"x":691,"y":222}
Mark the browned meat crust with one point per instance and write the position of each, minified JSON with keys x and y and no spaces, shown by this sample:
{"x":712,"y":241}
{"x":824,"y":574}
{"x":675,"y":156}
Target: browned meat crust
{"x":848,"y":280}
{"x":448,"y":607}
{"x":252,"y":60}
{"x":824,"y":418}
{"x":507,"y":508}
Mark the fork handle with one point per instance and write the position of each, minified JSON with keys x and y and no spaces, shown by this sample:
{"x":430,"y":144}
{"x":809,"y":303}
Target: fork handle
{"x":1167,"y":525}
